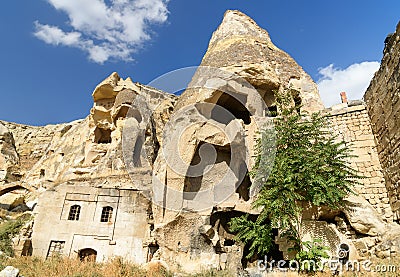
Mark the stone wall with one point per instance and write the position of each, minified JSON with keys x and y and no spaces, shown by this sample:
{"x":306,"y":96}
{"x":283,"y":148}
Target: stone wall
{"x":351,"y":123}
{"x":383,"y":105}
{"x":126,"y":234}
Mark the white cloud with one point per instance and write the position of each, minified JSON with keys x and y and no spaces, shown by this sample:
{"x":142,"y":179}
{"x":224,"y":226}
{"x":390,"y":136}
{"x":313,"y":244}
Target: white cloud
{"x":354,"y":80}
{"x":115,"y":30}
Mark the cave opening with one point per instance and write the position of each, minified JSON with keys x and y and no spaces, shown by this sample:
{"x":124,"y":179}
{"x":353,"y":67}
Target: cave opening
{"x":267,"y":93}
{"x":244,"y":188}
{"x":152,"y":249}
{"x":102,"y":135}
{"x":234,"y":106}
{"x":197,"y":177}
{"x":220,"y":222}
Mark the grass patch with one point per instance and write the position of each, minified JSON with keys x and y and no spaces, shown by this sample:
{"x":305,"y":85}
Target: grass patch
{"x":67,"y":267}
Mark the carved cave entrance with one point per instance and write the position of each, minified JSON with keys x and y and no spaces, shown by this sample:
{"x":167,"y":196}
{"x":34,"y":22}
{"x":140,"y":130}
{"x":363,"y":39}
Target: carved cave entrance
{"x":102,"y":135}
{"x":232,"y":103}
{"x":267,"y":93}
{"x":152,"y":249}
{"x":192,"y":185}
{"x":87,"y":255}
{"x":220,"y":222}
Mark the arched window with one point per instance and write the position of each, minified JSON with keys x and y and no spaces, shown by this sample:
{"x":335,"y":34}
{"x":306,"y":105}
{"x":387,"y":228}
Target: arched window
{"x":74,"y":212}
{"x":106,"y":214}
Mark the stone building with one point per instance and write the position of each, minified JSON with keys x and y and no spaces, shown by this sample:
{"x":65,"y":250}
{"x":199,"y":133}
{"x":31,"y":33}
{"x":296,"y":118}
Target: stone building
{"x":95,"y":223}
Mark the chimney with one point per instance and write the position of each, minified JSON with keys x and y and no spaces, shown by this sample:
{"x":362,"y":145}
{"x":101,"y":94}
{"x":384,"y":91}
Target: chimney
{"x":343,"y":96}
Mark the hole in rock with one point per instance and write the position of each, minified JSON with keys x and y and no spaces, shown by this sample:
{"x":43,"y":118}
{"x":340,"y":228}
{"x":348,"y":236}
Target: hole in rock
{"x":267,"y":93}
{"x":195,"y":181}
{"x":244,"y":188}
{"x":234,"y":106}
{"x":42,"y":173}
{"x":102,"y":135}
{"x":152,"y":249}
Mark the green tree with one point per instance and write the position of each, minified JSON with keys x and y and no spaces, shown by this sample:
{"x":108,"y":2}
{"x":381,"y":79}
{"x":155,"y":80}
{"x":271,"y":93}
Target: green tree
{"x":310,"y":169}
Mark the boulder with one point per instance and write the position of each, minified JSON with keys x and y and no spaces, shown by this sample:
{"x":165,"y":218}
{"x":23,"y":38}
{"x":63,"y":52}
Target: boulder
{"x":363,"y":217}
{"x":9,"y":271}
{"x":11,"y":200}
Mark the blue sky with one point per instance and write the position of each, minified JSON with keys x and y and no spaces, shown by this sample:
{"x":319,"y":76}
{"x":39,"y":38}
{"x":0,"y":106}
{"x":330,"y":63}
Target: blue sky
{"x":54,"y":52}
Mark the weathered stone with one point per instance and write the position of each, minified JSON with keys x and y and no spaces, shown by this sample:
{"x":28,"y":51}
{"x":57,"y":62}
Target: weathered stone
{"x":174,"y":175}
{"x":9,"y":271}
{"x":10,"y":201}
{"x":239,"y":46}
{"x":382,"y":102}
{"x":362,"y":216}
{"x":8,"y":155}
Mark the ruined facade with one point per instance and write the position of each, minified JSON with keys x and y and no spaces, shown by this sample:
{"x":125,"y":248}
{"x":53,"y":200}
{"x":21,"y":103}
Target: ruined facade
{"x":94,"y":223}
{"x":151,"y":176}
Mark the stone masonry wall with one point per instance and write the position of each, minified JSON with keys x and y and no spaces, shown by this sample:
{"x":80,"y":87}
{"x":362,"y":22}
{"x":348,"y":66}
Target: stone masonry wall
{"x":383,"y":105}
{"x":352,"y":124}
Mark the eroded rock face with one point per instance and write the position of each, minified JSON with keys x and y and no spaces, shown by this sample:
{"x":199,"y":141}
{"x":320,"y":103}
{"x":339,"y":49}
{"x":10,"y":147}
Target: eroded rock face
{"x":190,"y":155}
{"x":9,"y":158}
{"x":239,"y":46}
{"x":93,"y":147}
{"x":208,"y":143}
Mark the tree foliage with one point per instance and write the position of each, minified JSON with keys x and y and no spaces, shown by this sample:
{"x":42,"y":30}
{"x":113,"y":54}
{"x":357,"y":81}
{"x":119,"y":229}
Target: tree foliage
{"x":310,"y":168}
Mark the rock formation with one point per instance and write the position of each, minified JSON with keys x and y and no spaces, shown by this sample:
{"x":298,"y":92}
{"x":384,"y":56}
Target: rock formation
{"x":9,"y":158}
{"x":239,"y":46}
{"x":153,"y":177}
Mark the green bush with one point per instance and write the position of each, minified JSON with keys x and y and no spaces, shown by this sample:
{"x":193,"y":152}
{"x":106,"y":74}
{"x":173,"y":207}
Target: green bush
{"x":298,"y":164}
{"x":311,"y":254}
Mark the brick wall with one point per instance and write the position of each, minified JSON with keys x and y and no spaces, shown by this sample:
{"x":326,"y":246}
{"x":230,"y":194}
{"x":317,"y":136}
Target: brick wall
{"x":352,"y":124}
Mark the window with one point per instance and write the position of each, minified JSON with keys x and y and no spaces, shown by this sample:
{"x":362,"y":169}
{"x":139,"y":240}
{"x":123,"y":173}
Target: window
{"x":106,"y":214}
{"x":74,"y":212}
{"x":56,"y":248}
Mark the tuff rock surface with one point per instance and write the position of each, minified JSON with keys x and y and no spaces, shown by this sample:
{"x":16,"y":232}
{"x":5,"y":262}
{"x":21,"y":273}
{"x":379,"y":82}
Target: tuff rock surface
{"x":9,"y":158}
{"x":175,"y":168}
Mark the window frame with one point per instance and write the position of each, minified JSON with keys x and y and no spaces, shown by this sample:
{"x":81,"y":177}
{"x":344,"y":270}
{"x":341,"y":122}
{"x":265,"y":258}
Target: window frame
{"x":107,"y":214}
{"x":74,"y":212}
{"x":56,"y":248}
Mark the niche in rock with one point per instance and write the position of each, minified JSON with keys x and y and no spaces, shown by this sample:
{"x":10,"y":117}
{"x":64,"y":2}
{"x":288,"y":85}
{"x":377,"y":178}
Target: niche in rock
{"x":243,"y":189}
{"x":207,"y":168}
{"x":102,"y":135}
{"x":220,"y":222}
{"x":267,"y":93}
{"x":297,"y":100}
{"x":233,"y":105}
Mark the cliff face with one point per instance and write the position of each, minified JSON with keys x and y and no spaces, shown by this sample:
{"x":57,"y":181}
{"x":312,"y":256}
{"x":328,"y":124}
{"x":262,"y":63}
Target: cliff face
{"x":383,"y":103}
{"x":151,"y":176}
{"x":240,"y":47}
{"x":9,"y":158}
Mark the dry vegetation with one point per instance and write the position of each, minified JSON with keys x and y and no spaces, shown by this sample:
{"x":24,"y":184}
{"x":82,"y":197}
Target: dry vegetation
{"x":66,"y":267}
